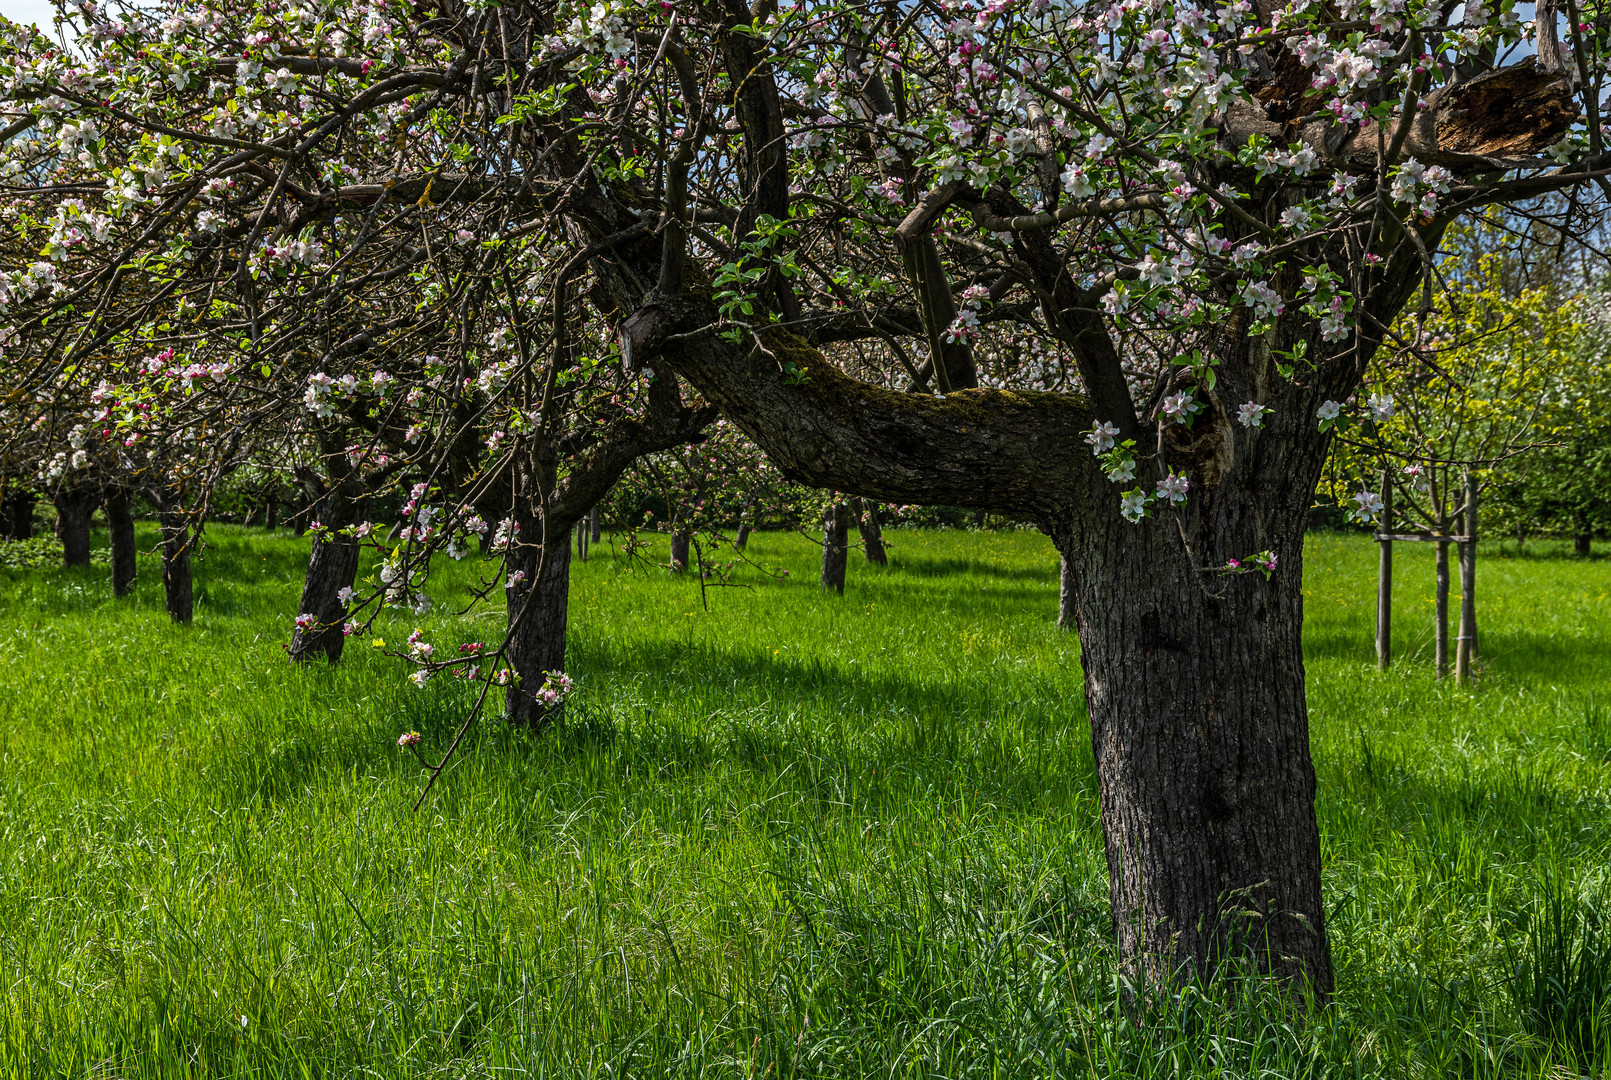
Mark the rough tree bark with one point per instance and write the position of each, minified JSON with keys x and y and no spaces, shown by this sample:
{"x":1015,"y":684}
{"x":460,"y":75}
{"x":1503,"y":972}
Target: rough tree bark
{"x":872,"y":537}
{"x":677,"y":561}
{"x":74,"y":507}
{"x":332,"y":567}
{"x":176,"y":547}
{"x":120,"y":523}
{"x":331,"y":498}
{"x":538,"y":598}
{"x":835,"y":545}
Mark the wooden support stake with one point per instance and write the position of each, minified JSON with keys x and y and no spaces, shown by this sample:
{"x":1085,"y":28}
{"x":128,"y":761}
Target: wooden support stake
{"x":1466,"y":644}
{"x":1384,"y":581}
{"x":1442,"y":650}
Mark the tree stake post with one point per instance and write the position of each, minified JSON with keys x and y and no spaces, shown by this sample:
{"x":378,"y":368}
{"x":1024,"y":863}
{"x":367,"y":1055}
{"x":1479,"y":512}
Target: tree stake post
{"x":1384,"y":579}
{"x":1466,"y":643}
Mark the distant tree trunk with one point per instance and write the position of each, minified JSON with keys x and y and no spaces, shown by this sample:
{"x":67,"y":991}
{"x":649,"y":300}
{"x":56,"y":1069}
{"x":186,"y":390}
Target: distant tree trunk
{"x":120,"y":523}
{"x":595,"y":528}
{"x":872,"y":537}
{"x":271,"y":513}
{"x":1582,"y":544}
{"x":176,"y":545}
{"x":17,"y":514}
{"x":74,"y":508}
{"x":537,"y":594}
{"x":584,"y":537}
{"x":680,"y":538}
{"x":746,"y":522}
{"x":332,"y":567}
{"x":331,"y":498}
{"x":835,"y":545}
{"x":1065,"y":595}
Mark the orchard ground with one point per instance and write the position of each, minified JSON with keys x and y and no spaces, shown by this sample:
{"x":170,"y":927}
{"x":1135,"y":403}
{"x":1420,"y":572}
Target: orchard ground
{"x":787,"y":834}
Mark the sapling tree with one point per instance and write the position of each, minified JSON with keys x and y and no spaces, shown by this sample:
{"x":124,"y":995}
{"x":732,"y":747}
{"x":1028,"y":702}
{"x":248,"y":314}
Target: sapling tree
{"x":1214,"y":212}
{"x":1451,"y":405}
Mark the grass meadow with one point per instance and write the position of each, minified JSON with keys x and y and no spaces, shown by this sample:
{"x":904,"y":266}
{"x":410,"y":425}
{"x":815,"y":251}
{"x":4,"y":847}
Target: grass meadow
{"x":780,"y":834}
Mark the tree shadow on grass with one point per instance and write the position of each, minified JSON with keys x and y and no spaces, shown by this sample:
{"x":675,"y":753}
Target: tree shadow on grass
{"x":672,"y":713}
{"x":1515,"y":653}
{"x":951,"y":567}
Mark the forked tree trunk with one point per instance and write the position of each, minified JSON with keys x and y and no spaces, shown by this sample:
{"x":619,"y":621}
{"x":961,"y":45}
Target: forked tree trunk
{"x":677,"y":563}
{"x":120,"y":523}
{"x":1195,"y":689}
{"x":872,"y":537}
{"x":176,"y":547}
{"x":1065,"y":595}
{"x":74,"y":507}
{"x":537,"y":606}
{"x":835,"y":545}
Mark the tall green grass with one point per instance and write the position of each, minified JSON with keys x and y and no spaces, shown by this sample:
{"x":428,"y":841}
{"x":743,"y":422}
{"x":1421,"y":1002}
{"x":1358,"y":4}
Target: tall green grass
{"x":791,"y":835}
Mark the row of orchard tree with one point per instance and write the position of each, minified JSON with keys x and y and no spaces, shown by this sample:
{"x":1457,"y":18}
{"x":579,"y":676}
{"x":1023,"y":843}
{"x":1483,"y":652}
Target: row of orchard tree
{"x":1116,"y":269}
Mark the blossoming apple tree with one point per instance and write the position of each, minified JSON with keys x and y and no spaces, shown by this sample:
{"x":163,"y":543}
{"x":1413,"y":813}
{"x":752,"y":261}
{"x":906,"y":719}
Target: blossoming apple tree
{"x":1212,"y":212}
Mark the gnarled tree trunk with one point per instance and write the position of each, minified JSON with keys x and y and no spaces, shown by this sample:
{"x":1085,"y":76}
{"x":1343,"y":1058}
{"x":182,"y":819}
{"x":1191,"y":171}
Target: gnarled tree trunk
{"x":120,"y":523}
{"x":1195,"y":688}
{"x":74,"y":507}
{"x":835,"y":545}
{"x":872,"y":537}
